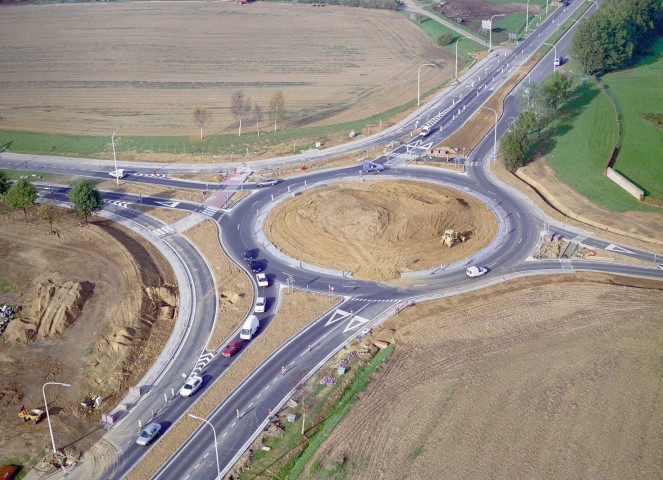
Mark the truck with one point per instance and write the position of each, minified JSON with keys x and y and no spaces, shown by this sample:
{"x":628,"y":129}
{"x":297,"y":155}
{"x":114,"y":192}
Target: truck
{"x":372,"y":167}
{"x":425,"y":131}
{"x":119,"y":173}
{"x":249,"y":328}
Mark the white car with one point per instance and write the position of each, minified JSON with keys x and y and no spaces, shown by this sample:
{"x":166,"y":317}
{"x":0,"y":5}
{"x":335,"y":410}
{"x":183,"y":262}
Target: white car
{"x":261,"y":303}
{"x":266,"y":182}
{"x":474,"y":272}
{"x":119,"y":173}
{"x":262,"y":280}
{"x":191,"y":385}
{"x":148,"y":434}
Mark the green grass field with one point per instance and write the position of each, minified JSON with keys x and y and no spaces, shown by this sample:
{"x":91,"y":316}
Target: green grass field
{"x":577,"y":143}
{"x":435,"y":29}
{"x":637,"y":91}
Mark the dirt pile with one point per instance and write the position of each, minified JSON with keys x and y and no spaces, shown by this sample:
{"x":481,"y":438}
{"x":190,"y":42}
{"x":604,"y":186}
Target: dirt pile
{"x":369,"y":227}
{"x":54,"y":308}
{"x":97,"y":304}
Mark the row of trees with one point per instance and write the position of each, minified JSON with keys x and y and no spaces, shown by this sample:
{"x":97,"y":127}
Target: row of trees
{"x":541,"y":104}
{"x":22,"y":194}
{"x":609,"y":39}
{"x":380,"y":4}
{"x":241,"y":107}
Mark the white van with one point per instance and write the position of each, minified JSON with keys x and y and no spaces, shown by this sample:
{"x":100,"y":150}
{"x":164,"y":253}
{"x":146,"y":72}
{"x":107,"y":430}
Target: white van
{"x":249,"y":328}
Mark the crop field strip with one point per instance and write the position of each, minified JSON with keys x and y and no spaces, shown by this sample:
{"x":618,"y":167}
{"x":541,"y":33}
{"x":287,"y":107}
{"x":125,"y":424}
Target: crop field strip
{"x":85,"y":68}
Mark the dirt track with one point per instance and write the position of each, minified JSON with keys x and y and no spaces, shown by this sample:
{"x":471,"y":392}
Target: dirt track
{"x":368,"y":227}
{"x":528,"y":379}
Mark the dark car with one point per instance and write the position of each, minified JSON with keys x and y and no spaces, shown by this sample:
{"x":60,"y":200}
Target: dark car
{"x":231,"y":348}
{"x":255,"y":266}
{"x":247,"y":255}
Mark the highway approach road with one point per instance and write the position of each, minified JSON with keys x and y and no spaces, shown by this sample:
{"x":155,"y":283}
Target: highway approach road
{"x":364,"y":304}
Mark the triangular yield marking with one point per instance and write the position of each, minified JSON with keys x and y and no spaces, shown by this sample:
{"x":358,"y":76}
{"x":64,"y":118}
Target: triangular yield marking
{"x":337,"y":316}
{"x":168,"y":204}
{"x":355,"y":322}
{"x":615,"y":248}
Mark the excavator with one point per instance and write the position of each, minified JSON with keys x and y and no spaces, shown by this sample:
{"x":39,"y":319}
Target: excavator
{"x":452,"y":237}
{"x":33,"y":415}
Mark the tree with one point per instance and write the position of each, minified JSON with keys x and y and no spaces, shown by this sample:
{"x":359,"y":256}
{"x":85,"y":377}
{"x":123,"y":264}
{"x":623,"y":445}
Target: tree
{"x":257,"y":109}
{"x":49,"y":213}
{"x":21,"y":195}
{"x":201,"y":116}
{"x":86,"y":199}
{"x":527,"y":121}
{"x":240,"y":106}
{"x":444,"y":38}
{"x":5,"y":183}
{"x":514,"y":146}
{"x":556,"y":87}
{"x":277,"y":107}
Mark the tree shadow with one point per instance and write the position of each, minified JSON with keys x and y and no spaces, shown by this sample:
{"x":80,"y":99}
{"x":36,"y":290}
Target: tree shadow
{"x":6,"y":146}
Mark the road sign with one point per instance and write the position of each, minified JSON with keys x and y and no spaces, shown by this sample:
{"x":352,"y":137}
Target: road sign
{"x":404,"y":260}
{"x":494,"y":156}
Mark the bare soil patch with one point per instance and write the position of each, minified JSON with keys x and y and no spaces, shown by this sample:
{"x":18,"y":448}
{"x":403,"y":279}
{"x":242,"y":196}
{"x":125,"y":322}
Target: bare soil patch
{"x":297,"y":310}
{"x":85,"y":69}
{"x":98,"y":305}
{"x":513,"y":381}
{"x":368,"y":227}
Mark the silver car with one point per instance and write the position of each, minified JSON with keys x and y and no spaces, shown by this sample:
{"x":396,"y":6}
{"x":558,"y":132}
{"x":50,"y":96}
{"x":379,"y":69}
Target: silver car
{"x":148,"y":434}
{"x":267,"y":182}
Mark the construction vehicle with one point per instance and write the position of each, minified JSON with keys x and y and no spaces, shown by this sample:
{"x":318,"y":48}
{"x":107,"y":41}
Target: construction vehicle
{"x":33,"y":415}
{"x":452,"y":237}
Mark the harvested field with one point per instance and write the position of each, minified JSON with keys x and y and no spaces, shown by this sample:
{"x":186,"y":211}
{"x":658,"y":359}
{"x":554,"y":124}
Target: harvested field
{"x":297,"y":310}
{"x":368,"y":227}
{"x":87,"y":68}
{"x":98,"y":305}
{"x":513,"y":381}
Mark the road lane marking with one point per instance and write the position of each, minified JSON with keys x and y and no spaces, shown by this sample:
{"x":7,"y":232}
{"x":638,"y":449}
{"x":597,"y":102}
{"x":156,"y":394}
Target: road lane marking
{"x":206,"y":455}
{"x":187,"y":476}
{"x":196,"y":466}
{"x":259,"y":395}
{"x":224,"y":434}
{"x":250,"y":405}
{"x":291,"y":363}
{"x":521,"y":239}
{"x":231,"y":426}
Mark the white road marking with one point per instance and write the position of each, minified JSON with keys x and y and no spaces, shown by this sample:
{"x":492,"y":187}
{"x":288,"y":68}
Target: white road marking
{"x":259,"y":395}
{"x":302,"y":354}
{"x":250,"y":405}
{"x":266,"y":387}
{"x":187,"y":476}
{"x":521,"y":239}
{"x":231,"y":426}
{"x":224,"y":434}
{"x":206,"y":455}
{"x":518,"y":214}
{"x":615,"y":248}
{"x":291,"y":363}
{"x":196,"y":466}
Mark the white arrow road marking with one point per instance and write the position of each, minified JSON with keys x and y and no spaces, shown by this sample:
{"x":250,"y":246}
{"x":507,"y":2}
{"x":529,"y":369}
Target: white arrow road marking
{"x":355,"y":322}
{"x":334,"y":318}
{"x":616,"y":248}
{"x":168,"y":204}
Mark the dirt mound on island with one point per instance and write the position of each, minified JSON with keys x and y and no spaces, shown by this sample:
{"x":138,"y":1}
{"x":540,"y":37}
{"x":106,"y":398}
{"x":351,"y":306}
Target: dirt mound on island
{"x":368,"y":227}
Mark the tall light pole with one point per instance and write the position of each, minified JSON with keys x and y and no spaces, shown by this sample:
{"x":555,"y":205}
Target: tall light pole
{"x":555,"y":52}
{"x":546,"y":7}
{"x":495,"y":127}
{"x":490,"y":41}
{"x":459,"y":39}
{"x":216,"y":448}
{"x":48,"y":417}
{"x":418,"y":76}
{"x":117,"y":177}
{"x":527,"y":15}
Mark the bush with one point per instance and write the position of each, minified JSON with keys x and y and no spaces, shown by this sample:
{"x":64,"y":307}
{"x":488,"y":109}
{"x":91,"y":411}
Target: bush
{"x":444,"y":39}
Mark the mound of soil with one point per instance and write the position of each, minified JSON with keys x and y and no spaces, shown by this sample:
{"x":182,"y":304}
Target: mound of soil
{"x":97,"y":304}
{"x":369,"y":227}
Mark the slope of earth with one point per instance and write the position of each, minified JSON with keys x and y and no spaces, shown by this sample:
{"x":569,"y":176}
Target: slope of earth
{"x":534,"y":378}
{"x":98,"y":304}
{"x":368,"y":227}
{"x":85,"y":69}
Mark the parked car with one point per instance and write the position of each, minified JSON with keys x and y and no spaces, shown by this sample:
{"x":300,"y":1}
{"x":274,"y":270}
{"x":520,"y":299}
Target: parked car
{"x":148,"y":434}
{"x":261,"y":304}
{"x":247,"y":255}
{"x":266,"y":182}
{"x":558,"y":61}
{"x":262,"y":280}
{"x":191,"y":386}
{"x":474,"y":272}
{"x":231,"y":348}
{"x":256,"y":266}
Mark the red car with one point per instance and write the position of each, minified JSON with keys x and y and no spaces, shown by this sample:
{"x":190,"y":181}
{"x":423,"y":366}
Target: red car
{"x":231,"y":348}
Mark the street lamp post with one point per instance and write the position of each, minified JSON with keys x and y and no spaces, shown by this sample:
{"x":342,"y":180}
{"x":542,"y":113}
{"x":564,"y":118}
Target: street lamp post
{"x":418,"y":76}
{"x":555,"y":52}
{"x":495,"y":138}
{"x":48,"y":417}
{"x":216,"y":448}
{"x":490,"y":41}
{"x":527,"y":16}
{"x":459,"y":39}
{"x":117,"y":177}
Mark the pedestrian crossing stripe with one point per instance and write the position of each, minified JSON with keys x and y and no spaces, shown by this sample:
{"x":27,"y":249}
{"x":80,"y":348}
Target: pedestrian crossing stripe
{"x":210,"y":211}
{"x":163,"y":231}
{"x":162,"y":175}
